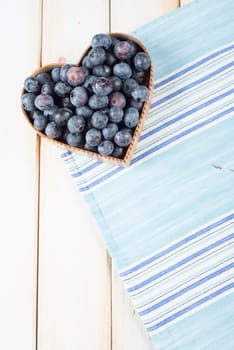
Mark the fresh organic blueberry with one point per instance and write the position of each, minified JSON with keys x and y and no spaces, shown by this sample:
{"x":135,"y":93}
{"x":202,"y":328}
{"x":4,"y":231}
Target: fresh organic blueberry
{"x":53,"y":130}
{"x":27,"y":101}
{"x":118,"y":152}
{"x":123,"y":50}
{"x":93,"y":137}
{"x":62,"y":116}
{"x":62,"y":89}
{"x":79,"y":96}
{"x":131,"y":117}
{"x":40,"y":122}
{"x":102,"y":70}
{"x":122,"y":70}
{"x":138,"y":76}
{"x":66,"y":103}
{"x":135,"y":104}
{"x":102,"y":86}
{"x":31,"y":84}
{"x":99,"y":120}
{"x":86,"y":63}
{"x":84,"y":111}
{"x":75,"y":140}
{"x":129,"y":85}
{"x":106,"y":148}
{"x":55,"y":74}
{"x":109,"y":131}
{"x":110,"y":59}
{"x":63,"y":72}
{"x":123,"y":138}
{"x":116,"y":114}
{"x":117,"y":83}
{"x":50,"y":112}
{"x":42,"y":102}
{"x":141,"y":61}
{"x":130,"y":131}
{"x":43,"y":77}
{"x":35,"y":113}
{"x":47,"y":88}
{"x":90,"y":148}
{"x":141,"y":93}
{"x":76,"y":75}
{"x":89,"y":82}
{"x":98,"y":102}
{"x":117,"y":99}
{"x":101,"y":40}
{"x":97,"y":56}
{"x":76,"y":124}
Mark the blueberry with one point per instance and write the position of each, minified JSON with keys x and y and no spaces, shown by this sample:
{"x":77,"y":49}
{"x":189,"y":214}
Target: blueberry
{"x":138,"y":76}
{"x":88,"y":84}
{"x":133,"y":47}
{"x":66,"y":103}
{"x":42,"y":102}
{"x":62,"y":89}
{"x":102,"y":86}
{"x":117,"y":83}
{"x":131,"y":117}
{"x":76,"y":75}
{"x":65,"y":133}
{"x":98,"y":102}
{"x":79,"y":96}
{"x":102,"y":70}
{"x":141,"y":61}
{"x":90,"y":148}
{"x":55,"y":74}
{"x":106,"y":148}
{"x":93,"y":137}
{"x":97,"y":56}
{"x":40,"y":122}
{"x":53,"y":130}
{"x":135,"y":104}
{"x":76,"y":124}
{"x":43,"y":77}
{"x":118,"y":152}
{"x":123,"y":138}
{"x":130,"y":131}
{"x":27,"y":101}
{"x":84,"y":111}
{"x":109,"y":131}
{"x":123,"y":50}
{"x":31,"y":84}
{"x":62,"y":116}
{"x":99,"y":120}
{"x":110,"y":59}
{"x":86,"y":63}
{"x":35,"y":114}
{"x":117,"y":99}
{"x":114,"y":41}
{"x":129,"y":85}
{"x":63,"y":72}
{"x":50,"y":112}
{"x":75,"y":139}
{"x":141,"y":93}
{"x":116,"y":114}
{"x":47,"y":88}
{"x":101,"y":40}
{"x":122,"y":70}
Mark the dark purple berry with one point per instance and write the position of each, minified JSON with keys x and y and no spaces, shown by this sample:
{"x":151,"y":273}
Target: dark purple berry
{"x":88,"y":84}
{"x":31,"y":84}
{"x":135,"y":104}
{"x":97,"y":56}
{"x":123,"y":50}
{"x":62,"y":116}
{"x":43,"y":77}
{"x":42,"y":102}
{"x":98,"y":102}
{"x":109,"y":131}
{"x":62,"y":89}
{"x":123,"y":138}
{"x":101,"y":40}
{"x":63,"y":72}
{"x":76,"y":124}
{"x":50,"y":112}
{"x":141,"y":61}
{"x":106,"y":148}
{"x":138,"y":76}
{"x":35,"y":114}
{"x":102,"y":70}
{"x":76,"y":75}
{"x":140,"y":93}
{"x":75,"y":139}
{"x":47,"y":88}
{"x":102,"y":86}
{"x":110,"y":59}
{"x":99,"y":120}
{"x":122,"y":70}
{"x":117,"y":99}
{"x":129,"y":85}
{"x":55,"y":74}
{"x":40,"y":122}
{"x":79,"y":96}
{"x":131,"y":117}
{"x":27,"y":101}
{"x":93,"y":137}
{"x":116,"y":114}
{"x":53,"y":130}
{"x":86,"y":63}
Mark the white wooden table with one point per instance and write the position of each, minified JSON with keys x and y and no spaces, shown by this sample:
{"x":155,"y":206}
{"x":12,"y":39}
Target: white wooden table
{"x":59,"y":290}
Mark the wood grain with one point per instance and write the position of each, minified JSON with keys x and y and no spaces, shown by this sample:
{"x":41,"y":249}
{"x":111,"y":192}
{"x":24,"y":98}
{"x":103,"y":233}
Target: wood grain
{"x":20,"y":44}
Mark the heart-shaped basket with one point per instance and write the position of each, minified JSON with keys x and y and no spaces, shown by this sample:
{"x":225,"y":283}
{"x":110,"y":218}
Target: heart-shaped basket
{"x":149,"y":82}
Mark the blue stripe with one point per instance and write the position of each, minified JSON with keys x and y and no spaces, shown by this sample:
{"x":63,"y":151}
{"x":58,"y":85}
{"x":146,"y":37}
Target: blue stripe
{"x":193,"y":66}
{"x":186,"y":114}
{"x":87,"y":169}
{"x":162,"y":145}
{"x":191,"y":307}
{"x":191,"y":85}
{"x":66,"y":154}
{"x":187,"y":289}
{"x":181,"y":263}
{"x":178,"y":244}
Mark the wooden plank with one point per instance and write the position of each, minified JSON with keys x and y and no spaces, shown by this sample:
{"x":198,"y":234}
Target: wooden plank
{"x":74,"y":281}
{"x":20,"y":40}
{"x":128,"y":331}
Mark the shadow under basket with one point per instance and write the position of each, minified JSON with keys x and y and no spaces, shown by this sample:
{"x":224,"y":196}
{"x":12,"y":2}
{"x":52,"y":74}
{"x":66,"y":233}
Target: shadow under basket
{"x":125,"y":161}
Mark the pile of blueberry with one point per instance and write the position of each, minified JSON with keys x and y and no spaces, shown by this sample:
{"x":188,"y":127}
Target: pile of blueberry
{"x":95,"y":106}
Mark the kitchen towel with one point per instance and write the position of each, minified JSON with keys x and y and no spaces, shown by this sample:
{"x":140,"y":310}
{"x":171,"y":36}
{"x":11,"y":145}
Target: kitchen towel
{"x":168,"y":219}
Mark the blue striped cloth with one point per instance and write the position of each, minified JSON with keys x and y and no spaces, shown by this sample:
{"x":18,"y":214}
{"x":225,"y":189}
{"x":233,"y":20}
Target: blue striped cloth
{"x":168,"y":219}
